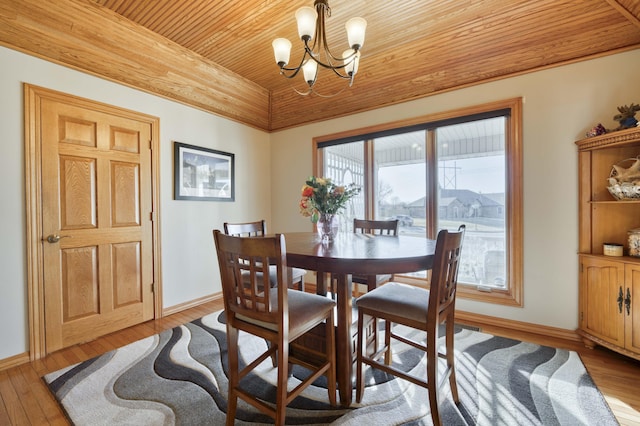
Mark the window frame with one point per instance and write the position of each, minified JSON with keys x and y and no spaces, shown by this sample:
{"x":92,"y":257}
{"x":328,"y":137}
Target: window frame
{"x":512,"y":110}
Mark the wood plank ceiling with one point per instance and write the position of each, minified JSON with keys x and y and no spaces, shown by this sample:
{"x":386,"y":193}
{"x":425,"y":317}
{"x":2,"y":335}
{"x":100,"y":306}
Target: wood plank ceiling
{"x":216,"y":54}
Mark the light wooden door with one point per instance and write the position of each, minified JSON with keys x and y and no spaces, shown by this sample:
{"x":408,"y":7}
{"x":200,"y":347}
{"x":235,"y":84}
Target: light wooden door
{"x":97,"y":238}
{"x":632,"y":307}
{"x":601,"y":283}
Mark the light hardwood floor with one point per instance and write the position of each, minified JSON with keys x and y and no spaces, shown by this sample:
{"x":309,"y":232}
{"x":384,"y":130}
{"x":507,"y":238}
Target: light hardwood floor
{"x":25,"y":400}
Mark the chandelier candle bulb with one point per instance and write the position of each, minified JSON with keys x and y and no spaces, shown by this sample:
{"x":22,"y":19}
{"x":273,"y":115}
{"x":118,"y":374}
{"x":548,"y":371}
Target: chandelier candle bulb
{"x":351,"y":59}
{"x":282,"y":51}
{"x":310,"y":70}
{"x":306,"y":17}
{"x":356,"y":28}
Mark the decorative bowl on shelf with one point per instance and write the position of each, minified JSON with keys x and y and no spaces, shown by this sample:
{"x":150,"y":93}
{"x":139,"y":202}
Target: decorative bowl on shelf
{"x":624,"y":183}
{"x":625,"y":191}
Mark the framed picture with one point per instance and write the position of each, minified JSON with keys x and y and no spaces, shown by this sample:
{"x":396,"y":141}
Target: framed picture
{"x":203,"y":174}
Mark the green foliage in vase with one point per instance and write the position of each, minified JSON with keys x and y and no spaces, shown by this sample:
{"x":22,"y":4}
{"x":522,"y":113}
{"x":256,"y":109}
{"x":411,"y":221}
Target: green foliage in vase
{"x":322,"y":196}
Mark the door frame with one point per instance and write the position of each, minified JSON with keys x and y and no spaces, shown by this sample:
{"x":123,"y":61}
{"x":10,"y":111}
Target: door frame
{"x":33,"y":95}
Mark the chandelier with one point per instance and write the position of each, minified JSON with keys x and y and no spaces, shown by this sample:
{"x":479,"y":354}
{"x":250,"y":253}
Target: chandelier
{"x":312,"y":31}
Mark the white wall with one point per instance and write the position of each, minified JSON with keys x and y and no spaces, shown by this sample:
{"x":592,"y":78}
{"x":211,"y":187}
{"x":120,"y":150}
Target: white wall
{"x":561,"y":104}
{"x":189,"y":270}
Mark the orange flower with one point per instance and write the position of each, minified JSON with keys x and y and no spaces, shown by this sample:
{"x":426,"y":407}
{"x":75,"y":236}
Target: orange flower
{"x":307,"y":191}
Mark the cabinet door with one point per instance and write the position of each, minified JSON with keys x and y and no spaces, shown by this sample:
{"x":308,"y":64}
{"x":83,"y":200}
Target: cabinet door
{"x":632,"y":315}
{"x":601,"y":282}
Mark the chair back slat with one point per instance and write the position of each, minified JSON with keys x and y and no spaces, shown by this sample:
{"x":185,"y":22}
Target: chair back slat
{"x":244,"y":268}
{"x":444,"y":275}
{"x":259,"y":229}
{"x":246,"y":229}
{"x":375,"y":227}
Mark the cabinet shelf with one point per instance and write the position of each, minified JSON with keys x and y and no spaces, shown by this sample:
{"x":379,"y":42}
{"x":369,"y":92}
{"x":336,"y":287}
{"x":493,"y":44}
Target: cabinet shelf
{"x":621,"y":202}
{"x":624,"y":259}
{"x":622,"y":137}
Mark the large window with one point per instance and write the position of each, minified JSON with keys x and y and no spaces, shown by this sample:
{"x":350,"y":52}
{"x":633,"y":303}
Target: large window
{"x":437,"y":173}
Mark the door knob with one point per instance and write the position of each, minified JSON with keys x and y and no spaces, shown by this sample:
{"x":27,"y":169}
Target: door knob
{"x":55,"y":238}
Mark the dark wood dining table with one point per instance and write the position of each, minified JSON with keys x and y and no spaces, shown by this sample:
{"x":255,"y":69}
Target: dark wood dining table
{"x":348,"y":254}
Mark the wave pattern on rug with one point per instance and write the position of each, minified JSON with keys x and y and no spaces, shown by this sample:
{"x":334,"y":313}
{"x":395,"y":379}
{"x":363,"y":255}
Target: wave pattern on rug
{"x":179,"y":377}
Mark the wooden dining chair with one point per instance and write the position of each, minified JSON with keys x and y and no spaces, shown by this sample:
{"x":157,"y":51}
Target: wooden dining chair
{"x":420,"y":309}
{"x":277,"y":314}
{"x":259,"y":229}
{"x":374,"y":227}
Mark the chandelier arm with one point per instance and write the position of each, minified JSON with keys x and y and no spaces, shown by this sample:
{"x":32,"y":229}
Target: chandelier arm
{"x":345,"y":76}
{"x":309,"y":53}
{"x":323,"y":9}
{"x":325,"y":46}
{"x":315,"y":92}
{"x":331,"y":65}
{"x":292,"y":75}
{"x":305,"y":93}
{"x":311,"y":90}
{"x":295,"y":70}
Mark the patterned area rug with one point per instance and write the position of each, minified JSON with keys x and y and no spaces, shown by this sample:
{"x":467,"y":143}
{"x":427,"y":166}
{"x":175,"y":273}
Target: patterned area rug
{"x":178,"y":377}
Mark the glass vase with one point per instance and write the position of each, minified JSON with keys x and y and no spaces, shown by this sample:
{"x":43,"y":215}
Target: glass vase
{"x":328,"y":226}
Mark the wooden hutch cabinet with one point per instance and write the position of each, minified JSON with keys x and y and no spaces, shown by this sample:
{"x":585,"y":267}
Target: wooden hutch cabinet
{"x":609,"y":288}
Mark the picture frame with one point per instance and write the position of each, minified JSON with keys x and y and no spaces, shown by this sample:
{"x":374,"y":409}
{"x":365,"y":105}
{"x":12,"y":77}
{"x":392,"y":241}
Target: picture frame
{"x":203,"y":174}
